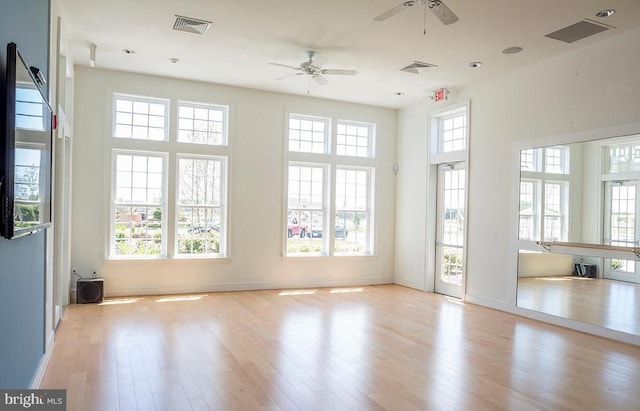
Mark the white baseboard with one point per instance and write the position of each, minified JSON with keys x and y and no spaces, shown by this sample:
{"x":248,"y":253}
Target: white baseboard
{"x":42,"y":365}
{"x":203,"y":288}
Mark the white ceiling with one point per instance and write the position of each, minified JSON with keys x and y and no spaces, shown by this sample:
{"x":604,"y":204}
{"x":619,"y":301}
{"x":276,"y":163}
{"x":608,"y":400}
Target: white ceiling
{"x":246,"y":35}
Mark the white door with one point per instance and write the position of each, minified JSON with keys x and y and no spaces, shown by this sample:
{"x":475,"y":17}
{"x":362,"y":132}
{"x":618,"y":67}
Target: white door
{"x":621,"y":228}
{"x":450,"y":225}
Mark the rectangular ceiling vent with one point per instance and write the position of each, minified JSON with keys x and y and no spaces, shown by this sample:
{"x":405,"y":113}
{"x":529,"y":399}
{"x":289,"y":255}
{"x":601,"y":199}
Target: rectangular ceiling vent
{"x":578,"y":31}
{"x":191,"y":25}
{"x":417,"y":67}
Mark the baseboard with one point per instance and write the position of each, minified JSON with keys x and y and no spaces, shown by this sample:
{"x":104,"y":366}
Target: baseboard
{"x":409,"y":284}
{"x":42,"y":365}
{"x":203,"y":288}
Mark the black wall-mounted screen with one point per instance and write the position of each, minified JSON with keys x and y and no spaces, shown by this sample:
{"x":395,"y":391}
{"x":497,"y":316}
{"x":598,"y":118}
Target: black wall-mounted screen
{"x":26,"y":150}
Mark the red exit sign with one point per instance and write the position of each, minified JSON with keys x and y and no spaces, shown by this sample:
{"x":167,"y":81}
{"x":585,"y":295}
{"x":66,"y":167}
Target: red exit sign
{"x":440,"y":94}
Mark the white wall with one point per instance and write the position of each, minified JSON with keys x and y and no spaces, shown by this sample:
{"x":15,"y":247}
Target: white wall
{"x":257,"y":135}
{"x":588,"y":88}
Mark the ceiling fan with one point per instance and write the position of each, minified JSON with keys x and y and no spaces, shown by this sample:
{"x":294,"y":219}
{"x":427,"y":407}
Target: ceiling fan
{"x":313,"y":68}
{"x":437,"y":7}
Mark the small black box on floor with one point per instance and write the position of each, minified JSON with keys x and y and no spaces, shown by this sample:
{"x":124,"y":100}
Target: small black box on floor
{"x":89,"y":290}
{"x":591,"y":270}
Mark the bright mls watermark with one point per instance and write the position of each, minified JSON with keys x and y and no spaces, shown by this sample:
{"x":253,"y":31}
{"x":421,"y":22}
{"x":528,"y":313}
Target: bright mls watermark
{"x":42,"y":400}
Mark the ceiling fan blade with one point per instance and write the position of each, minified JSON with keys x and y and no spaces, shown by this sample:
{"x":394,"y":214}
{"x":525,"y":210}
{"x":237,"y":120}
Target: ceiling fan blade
{"x":289,"y":75}
{"x":320,"y":79}
{"x":285,"y":65}
{"x":395,"y":10}
{"x":342,"y":72}
{"x":443,"y":12}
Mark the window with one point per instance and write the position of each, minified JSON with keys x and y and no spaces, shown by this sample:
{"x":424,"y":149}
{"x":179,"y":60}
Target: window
{"x":29,"y":109}
{"x":354,"y":139}
{"x":453,"y":135}
{"x":138,"y":204}
{"x":199,"y":207}
{"x":352,"y":210}
{"x":140,"y":118}
{"x":155,"y":213}
{"x":308,"y":134}
{"x":544,"y":191}
{"x":202,"y":124}
{"x":329,"y":196}
{"x":306,"y":214}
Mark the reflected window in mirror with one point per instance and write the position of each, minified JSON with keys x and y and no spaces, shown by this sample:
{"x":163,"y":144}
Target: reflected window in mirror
{"x":544,"y":193}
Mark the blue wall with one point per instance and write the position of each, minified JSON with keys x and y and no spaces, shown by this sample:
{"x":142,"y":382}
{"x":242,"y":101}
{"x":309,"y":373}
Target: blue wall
{"x":22,"y":261}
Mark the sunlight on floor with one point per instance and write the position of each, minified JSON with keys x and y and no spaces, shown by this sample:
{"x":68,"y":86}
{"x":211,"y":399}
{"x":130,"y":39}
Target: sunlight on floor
{"x":180,"y":298}
{"x":297,"y":292}
{"x":120,"y":301}
{"x":346,"y":290}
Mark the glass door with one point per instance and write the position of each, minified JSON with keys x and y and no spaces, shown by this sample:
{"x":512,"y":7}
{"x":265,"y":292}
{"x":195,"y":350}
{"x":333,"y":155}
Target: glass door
{"x":621,"y":229}
{"x":450,"y":223}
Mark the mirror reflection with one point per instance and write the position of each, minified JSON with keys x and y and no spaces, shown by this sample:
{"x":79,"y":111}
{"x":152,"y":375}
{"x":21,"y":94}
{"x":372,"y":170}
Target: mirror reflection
{"x":586,"y":193}
{"x":573,"y":287}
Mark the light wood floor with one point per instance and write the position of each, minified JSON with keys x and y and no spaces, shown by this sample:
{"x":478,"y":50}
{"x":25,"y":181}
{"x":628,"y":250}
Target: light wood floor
{"x":369,"y":348}
{"x":607,"y":303}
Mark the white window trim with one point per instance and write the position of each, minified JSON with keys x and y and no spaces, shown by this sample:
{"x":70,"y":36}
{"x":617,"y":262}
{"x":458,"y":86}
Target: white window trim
{"x":220,"y":107}
{"x":436,"y":156}
{"x":112,"y":204}
{"x":222,"y":253}
{"x":371,"y":149}
{"x":154,"y":100}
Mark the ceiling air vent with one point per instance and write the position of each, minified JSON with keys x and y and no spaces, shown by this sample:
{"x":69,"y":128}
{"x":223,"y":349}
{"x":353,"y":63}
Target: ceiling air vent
{"x":416,"y":67}
{"x":578,"y":31}
{"x":191,"y":25}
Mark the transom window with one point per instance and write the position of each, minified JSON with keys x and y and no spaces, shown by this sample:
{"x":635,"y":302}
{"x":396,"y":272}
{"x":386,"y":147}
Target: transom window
{"x":140,"y":118}
{"x":354,"y":139}
{"x":202,"y":124}
{"x":308,"y":134}
{"x":453,"y":132}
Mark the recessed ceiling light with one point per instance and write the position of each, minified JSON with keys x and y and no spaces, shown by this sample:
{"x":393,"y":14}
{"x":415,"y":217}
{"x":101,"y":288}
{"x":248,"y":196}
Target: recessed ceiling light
{"x":129,"y":51}
{"x":399,"y":93}
{"x":475,"y":64}
{"x":606,"y":13}
{"x":173,"y":60}
{"x":512,"y":50}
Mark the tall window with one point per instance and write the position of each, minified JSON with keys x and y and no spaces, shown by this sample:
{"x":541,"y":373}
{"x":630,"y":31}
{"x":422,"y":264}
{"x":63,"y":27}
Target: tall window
{"x":329,"y":191}
{"x":200,"y":205}
{"x":197,"y":150}
{"x":544,"y":192}
{"x":138,"y":204}
{"x":353,"y":205}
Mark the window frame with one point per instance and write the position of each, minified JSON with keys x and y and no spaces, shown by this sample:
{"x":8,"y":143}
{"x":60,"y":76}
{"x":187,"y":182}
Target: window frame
{"x":114,"y":204}
{"x":222,"y":233}
{"x":371,"y":137}
{"x":332,"y":162}
{"x":541,"y":178}
{"x":142,"y":99}
{"x":218,"y":107}
{"x":172,"y":149}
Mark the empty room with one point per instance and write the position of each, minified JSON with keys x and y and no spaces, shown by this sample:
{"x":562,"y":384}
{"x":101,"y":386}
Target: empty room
{"x":304,"y":205}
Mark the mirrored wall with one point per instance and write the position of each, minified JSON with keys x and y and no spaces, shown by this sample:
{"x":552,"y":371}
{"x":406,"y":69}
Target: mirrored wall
{"x":578,"y":199}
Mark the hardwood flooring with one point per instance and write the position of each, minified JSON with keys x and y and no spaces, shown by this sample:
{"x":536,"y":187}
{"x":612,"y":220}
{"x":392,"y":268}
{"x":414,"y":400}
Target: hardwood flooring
{"x":607,"y":303}
{"x":361,"y":348}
